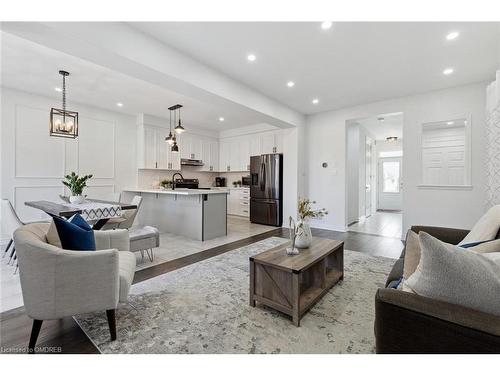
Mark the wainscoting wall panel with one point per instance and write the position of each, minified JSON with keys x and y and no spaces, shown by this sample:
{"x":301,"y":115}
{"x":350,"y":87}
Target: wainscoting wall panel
{"x":36,"y":154}
{"x":34,"y":193}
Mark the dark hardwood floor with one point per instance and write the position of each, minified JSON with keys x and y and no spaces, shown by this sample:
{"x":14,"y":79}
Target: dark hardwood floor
{"x":66,"y":336}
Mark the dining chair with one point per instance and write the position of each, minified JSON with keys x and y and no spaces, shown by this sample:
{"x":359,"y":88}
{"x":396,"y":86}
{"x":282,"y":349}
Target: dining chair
{"x":126,"y":220}
{"x":10,"y":222}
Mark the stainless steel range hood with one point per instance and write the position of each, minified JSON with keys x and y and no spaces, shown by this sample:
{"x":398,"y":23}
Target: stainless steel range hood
{"x":192,"y":162}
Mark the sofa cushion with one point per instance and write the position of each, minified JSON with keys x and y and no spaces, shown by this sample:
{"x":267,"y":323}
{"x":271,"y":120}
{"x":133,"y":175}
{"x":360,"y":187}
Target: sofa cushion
{"x":486,"y":228}
{"x":450,"y":274}
{"x":75,"y":233}
{"x":412,"y":254}
{"x":490,"y":246}
{"x":396,"y":272}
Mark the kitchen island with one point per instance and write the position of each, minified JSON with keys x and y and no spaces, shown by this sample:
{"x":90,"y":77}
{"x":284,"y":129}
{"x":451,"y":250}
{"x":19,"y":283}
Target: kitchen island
{"x":199,"y":214}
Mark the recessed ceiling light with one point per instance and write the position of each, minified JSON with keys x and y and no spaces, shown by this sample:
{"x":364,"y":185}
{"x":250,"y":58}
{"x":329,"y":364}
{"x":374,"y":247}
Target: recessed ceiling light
{"x":326,"y":25}
{"x":119,"y":104}
{"x":58,"y":89}
{"x":452,"y":35}
{"x":251,"y":57}
{"x":315,"y":101}
{"x":448,"y":71}
{"x":450,"y":123}
{"x":221,"y":119}
{"x":290,"y":83}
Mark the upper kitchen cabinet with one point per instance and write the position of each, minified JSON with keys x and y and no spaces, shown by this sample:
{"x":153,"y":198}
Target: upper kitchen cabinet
{"x":190,"y":146}
{"x":210,"y":155}
{"x":272,"y":142}
{"x":152,"y":150}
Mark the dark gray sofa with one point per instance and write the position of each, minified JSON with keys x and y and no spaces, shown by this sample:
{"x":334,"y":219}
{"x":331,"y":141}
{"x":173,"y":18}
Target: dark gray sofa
{"x":409,"y":323}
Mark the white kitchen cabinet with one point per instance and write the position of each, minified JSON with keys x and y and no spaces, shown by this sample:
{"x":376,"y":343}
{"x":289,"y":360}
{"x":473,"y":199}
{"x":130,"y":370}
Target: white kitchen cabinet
{"x":239,"y":202}
{"x":234,"y":155}
{"x":255,"y":145}
{"x":224,"y":156}
{"x":210,"y":155}
{"x":184,"y":141}
{"x":272,"y":142}
{"x":244,"y":154}
{"x":153,"y":151}
{"x":214,"y":156}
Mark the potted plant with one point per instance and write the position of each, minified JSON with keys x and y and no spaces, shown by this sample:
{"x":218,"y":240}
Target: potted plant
{"x":76,"y":184}
{"x":235,"y":183}
{"x":166,"y":184}
{"x":238,"y":183}
{"x":303,"y":235}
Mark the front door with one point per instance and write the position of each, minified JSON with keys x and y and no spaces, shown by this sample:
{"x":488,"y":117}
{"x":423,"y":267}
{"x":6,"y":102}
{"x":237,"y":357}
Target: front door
{"x":389,"y":184}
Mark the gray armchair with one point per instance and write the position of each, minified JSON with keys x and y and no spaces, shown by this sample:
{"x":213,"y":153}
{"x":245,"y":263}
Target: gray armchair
{"x":57,"y":283}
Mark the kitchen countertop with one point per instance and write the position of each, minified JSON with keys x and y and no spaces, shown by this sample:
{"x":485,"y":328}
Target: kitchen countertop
{"x":179,"y":191}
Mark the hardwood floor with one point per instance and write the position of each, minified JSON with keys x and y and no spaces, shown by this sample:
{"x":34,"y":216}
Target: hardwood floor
{"x":65,"y":336}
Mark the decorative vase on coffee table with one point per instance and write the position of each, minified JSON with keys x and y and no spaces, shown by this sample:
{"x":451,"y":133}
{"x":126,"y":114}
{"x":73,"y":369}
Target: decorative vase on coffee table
{"x":303,"y":237}
{"x":76,"y":199}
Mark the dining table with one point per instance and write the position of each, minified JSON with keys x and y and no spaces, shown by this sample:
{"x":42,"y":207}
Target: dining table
{"x":94,"y":211}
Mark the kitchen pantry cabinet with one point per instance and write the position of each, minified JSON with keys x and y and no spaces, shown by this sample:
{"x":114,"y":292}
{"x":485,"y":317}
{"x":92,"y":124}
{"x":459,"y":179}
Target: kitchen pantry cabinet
{"x":153,"y":151}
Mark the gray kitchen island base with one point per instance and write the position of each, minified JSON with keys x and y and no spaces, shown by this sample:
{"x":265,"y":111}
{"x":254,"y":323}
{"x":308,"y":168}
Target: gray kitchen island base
{"x":197,"y":214}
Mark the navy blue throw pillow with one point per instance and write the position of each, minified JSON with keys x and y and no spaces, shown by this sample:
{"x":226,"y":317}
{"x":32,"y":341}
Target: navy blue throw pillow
{"x":75,"y":233}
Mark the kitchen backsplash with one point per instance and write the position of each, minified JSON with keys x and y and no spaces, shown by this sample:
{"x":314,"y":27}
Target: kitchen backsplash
{"x":233,"y":176}
{"x":148,"y":178}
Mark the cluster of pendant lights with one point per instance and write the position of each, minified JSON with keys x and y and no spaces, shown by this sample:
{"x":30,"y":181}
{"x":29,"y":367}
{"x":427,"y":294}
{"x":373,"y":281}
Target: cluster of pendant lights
{"x":172,"y":138}
{"x":63,"y":123}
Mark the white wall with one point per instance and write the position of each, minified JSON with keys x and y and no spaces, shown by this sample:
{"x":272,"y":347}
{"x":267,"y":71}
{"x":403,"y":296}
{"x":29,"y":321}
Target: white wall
{"x":33,"y":163}
{"x":352,"y":172}
{"x":326,"y":141}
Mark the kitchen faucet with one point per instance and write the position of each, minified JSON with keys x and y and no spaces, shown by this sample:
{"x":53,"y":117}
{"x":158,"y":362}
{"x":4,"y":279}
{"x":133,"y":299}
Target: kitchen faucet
{"x":173,"y":179}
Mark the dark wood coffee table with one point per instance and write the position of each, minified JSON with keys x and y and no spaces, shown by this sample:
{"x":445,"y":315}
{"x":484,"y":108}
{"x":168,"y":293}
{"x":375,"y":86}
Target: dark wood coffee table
{"x":293,"y":284}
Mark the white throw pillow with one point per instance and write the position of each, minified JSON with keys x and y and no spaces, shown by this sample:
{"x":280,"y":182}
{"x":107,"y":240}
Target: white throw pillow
{"x":486,"y":247}
{"x":457,"y":276}
{"x":52,"y":236}
{"x":486,"y":228}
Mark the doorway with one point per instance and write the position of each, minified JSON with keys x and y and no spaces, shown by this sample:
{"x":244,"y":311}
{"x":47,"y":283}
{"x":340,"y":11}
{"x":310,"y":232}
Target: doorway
{"x":374,"y":165}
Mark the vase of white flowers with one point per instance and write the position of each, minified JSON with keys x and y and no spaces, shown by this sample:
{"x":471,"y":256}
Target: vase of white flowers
{"x":303,"y":235}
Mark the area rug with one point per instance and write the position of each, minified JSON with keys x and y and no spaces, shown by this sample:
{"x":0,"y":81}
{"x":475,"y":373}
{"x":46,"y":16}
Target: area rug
{"x":204,"y":308}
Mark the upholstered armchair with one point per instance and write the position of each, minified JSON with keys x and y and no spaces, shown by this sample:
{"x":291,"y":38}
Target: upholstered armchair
{"x":57,"y":283}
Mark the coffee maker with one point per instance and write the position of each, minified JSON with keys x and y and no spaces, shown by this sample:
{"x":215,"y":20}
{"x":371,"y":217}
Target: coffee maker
{"x":220,"y":181}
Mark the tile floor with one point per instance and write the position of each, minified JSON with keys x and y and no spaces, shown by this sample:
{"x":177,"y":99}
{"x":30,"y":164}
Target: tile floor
{"x":172,"y":247}
{"x":388,"y":224}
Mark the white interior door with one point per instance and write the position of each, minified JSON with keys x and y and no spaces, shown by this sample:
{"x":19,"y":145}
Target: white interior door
{"x":368,"y":177}
{"x":390,"y":184}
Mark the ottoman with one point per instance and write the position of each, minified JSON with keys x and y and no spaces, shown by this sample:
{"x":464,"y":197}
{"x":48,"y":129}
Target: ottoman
{"x":144,"y":239}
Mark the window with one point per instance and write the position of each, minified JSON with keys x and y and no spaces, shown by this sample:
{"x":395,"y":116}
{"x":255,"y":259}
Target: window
{"x":390,"y":175}
{"x":390,"y":154}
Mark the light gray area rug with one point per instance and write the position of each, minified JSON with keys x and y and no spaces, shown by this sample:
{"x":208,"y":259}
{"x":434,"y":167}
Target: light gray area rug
{"x":204,"y":308}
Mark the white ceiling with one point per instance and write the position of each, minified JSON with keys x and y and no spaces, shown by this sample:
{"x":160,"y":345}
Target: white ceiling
{"x":391,"y":126}
{"x":34,"y":68}
{"x":352,"y":63}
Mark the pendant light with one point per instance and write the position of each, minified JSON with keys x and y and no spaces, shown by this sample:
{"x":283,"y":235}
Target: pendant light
{"x":170,"y":138}
{"x":175,"y":147}
{"x":179,"y":128}
{"x":63,"y":123}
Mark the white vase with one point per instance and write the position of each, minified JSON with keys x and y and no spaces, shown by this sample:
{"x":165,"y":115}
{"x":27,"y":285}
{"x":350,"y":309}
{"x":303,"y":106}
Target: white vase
{"x":76,"y":199}
{"x":303,"y":236}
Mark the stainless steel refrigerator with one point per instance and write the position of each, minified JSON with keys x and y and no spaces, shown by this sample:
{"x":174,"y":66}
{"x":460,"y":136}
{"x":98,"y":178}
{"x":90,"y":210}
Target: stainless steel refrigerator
{"x":266,"y":189}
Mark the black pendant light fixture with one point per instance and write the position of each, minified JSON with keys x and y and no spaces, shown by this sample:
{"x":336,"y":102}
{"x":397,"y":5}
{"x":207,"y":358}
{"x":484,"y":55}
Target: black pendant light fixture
{"x":170,"y":138}
{"x":175,"y":147}
{"x":179,"y":128}
{"x":63,"y":123}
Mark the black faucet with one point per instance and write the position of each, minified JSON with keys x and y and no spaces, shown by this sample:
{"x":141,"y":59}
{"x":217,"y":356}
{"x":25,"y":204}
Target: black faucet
{"x":173,"y":179}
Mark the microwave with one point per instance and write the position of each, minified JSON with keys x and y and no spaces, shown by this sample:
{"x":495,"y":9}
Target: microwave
{"x":246,"y":181}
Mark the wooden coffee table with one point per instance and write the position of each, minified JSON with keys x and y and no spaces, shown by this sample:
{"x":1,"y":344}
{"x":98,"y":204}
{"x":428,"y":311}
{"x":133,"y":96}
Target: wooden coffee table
{"x":293,"y":284}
